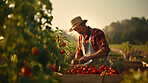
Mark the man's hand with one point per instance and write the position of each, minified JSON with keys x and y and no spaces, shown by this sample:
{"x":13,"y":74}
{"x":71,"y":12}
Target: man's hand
{"x":74,"y":61}
{"x":84,"y":59}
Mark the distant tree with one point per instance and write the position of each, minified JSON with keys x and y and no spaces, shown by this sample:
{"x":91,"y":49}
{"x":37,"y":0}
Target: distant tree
{"x":134,"y":30}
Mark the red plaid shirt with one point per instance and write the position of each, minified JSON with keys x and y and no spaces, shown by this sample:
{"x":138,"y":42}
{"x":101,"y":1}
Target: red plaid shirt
{"x":97,"y":39}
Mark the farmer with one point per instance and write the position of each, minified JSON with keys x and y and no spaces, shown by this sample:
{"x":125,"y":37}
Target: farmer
{"x":92,"y":44}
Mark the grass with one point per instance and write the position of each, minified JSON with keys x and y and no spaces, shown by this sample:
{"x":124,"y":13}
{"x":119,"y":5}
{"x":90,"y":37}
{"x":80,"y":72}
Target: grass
{"x":115,"y":56}
{"x":138,"y":52}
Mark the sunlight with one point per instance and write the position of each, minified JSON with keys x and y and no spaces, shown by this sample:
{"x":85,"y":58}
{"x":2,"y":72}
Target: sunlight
{"x":1,"y":37}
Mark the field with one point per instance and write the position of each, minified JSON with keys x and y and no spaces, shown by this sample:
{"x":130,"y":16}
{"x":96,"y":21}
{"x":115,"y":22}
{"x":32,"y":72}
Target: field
{"x":130,"y":52}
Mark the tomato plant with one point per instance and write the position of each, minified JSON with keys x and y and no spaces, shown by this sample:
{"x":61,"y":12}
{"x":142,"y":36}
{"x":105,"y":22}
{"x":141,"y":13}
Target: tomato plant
{"x":30,"y":42}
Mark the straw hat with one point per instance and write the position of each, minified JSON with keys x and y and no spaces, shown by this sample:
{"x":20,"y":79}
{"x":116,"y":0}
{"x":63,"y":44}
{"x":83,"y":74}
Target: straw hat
{"x":76,"y":22}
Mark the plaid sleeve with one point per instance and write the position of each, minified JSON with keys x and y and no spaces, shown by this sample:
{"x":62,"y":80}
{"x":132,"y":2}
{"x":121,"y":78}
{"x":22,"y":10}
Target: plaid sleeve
{"x":79,"y":46}
{"x":101,"y":41}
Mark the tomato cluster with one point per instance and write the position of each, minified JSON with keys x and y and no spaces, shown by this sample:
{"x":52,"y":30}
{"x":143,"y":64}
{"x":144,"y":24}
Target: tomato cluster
{"x":83,"y":70}
{"x":63,"y":44}
{"x":53,"y":68}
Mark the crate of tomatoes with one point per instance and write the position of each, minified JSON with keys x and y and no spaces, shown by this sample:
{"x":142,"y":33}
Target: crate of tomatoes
{"x":91,"y":74}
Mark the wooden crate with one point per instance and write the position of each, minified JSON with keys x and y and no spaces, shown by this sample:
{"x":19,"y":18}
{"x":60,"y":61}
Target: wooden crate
{"x":133,"y":65}
{"x":74,"y":78}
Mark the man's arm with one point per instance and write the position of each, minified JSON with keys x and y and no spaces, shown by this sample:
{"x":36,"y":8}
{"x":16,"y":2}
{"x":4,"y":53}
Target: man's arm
{"x":99,"y":54}
{"x":102,"y":46}
{"x":78,"y":54}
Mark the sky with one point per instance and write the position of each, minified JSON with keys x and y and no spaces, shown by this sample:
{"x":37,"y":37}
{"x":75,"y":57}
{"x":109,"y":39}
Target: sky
{"x":99,"y":13}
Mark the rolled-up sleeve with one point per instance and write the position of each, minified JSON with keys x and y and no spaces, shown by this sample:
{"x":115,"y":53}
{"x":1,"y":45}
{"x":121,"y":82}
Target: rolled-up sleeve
{"x":79,"y":47}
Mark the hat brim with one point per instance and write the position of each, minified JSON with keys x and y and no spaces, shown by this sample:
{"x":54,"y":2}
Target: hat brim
{"x":72,"y":28}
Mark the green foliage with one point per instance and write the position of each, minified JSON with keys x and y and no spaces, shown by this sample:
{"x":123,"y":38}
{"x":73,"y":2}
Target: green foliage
{"x":26,"y":24}
{"x":146,"y":46}
{"x":136,"y":52}
{"x":118,"y":66}
{"x":136,"y":77}
{"x":134,"y":30}
{"x":126,"y":46}
{"x":103,"y":62}
{"x":4,"y":11}
{"x":71,"y":43}
{"x":115,"y":56}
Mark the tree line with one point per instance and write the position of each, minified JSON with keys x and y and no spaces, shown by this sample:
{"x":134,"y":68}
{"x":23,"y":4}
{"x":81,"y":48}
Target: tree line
{"x":134,"y":30}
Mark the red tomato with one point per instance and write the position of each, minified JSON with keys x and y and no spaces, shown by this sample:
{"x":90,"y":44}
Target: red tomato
{"x":99,"y":71}
{"x":84,"y":69}
{"x":91,"y":66}
{"x":81,"y":68}
{"x":94,"y":69}
{"x":103,"y":66}
{"x":114,"y":71}
{"x":106,"y":68}
{"x":58,"y":40}
{"x":35,"y":51}
{"x":72,"y":70}
{"x":86,"y":66}
{"x":69,"y":72}
{"x":83,"y":72}
{"x":87,"y":72}
{"x":63,"y":44}
{"x":46,"y":47}
{"x":63,"y":51}
{"x":93,"y":72}
{"x":26,"y":70}
{"x":58,"y":37}
{"x":110,"y":73}
{"x":89,"y":69}
{"x":79,"y":71}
